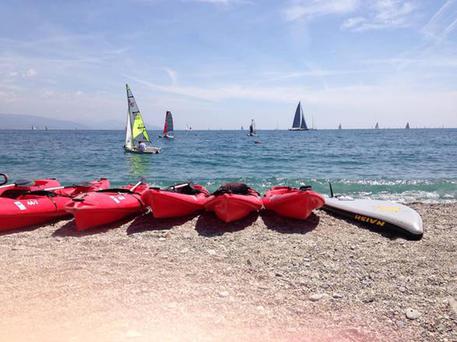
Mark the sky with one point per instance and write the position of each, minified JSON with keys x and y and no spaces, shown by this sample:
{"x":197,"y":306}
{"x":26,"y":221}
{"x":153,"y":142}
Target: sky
{"x":218,"y":63}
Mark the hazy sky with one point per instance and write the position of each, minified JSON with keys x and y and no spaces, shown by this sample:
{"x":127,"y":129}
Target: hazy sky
{"x":219,"y":63}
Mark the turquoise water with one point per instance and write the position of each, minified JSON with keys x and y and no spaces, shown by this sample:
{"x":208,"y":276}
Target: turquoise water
{"x":406,"y":165}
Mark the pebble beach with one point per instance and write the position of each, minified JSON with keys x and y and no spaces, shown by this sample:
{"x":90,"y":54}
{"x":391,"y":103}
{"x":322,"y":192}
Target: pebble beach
{"x":263,"y":278}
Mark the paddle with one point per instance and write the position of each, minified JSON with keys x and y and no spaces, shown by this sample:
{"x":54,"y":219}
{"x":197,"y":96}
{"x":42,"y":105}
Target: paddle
{"x":142,"y":180}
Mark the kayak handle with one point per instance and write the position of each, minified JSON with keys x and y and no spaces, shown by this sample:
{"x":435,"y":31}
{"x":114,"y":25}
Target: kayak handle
{"x":5,"y":178}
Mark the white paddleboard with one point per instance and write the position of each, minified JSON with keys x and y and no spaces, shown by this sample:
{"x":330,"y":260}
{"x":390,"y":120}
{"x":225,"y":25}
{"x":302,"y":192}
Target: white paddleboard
{"x":378,"y":214}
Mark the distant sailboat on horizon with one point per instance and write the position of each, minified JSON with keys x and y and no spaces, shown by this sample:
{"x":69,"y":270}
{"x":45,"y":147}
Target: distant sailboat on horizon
{"x":376,"y":126}
{"x":299,"y":123}
{"x":252,"y":130}
{"x":407,"y":125}
{"x":168,"y":126}
{"x":339,"y":126}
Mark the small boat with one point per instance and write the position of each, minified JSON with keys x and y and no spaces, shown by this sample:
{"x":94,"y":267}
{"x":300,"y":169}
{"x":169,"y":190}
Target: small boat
{"x":377,"y":214}
{"x":376,"y":126}
{"x":177,"y":200}
{"x":299,"y":123}
{"x":136,"y":135}
{"x":252,"y":130}
{"x":168,"y":127}
{"x":95,"y":209}
{"x":22,"y":186}
{"x":292,"y":202}
{"x":41,"y":206}
{"x":339,"y":126}
{"x":233,"y":201}
{"x":407,"y":125}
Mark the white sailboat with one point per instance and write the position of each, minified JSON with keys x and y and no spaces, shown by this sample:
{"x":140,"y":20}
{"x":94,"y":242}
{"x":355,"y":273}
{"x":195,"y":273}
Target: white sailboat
{"x":252,"y":130}
{"x":136,"y":135}
{"x":299,"y":123}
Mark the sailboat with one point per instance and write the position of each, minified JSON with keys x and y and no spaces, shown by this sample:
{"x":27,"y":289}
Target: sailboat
{"x":168,"y":127}
{"x":135,"y":130}
{"x":299,"y":123}
{"x":376,"y":126}
{"x":339,"y":126}
{"x":407,"y":125}
{"x":252,"y":130}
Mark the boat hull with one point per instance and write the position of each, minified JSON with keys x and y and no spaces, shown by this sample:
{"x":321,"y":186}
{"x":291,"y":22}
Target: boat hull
{"x":40,"y":207}
{"x":31,"y":210}
{"x":148,"y":150}
{"x":292,"y":202}
{"x":381,"y":215}
{"x":233,"y":207}
{"x":167,"y":204}
{"x":96,"y":209}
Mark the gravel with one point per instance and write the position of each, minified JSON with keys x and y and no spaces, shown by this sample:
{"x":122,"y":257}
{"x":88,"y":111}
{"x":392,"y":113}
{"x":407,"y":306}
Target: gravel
{"x":263,"y":278}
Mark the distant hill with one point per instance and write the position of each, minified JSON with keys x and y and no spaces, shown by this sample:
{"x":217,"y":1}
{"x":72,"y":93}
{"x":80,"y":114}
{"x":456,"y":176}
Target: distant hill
{"x":14,"y":121}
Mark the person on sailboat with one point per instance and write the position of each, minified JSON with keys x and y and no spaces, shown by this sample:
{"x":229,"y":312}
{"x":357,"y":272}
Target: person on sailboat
{"x":142,"y":146}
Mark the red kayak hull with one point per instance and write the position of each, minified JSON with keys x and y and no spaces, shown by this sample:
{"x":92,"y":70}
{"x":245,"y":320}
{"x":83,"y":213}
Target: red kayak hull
{"x":292,"y":202}
{"x":168,"y":204}
{"x":33,"y":209}
{"x":96,"y":209}
{"x":232,"y":207}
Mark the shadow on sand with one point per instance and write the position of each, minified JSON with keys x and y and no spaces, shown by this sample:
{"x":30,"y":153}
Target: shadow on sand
{"x":209,"y":225}
{"x":147,"y":222}
{"x":289,"y":226}
{"x":31,"y":228}
{"x":69,"y":229}
{"x":390,"y":232}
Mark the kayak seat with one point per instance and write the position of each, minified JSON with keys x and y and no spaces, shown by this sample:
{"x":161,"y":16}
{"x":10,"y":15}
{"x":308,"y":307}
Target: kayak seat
{"x":236,"y":188}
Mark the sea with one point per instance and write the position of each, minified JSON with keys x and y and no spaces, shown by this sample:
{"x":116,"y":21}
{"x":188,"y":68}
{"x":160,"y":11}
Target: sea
{"x":415,"y":165}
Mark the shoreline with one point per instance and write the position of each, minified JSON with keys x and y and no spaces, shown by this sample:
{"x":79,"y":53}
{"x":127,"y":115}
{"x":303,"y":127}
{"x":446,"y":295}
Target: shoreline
{"x":264,"y":278}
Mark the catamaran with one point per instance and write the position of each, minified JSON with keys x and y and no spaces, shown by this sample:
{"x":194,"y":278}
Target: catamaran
{"x":135,"y":130}
{"x":252,"y":130}
{"x":299,"y":123}
{"x":168,"y":127}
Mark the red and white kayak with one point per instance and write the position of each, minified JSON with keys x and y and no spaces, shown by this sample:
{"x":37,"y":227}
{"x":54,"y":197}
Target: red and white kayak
{"x":176,"y":201}
{"x":292,"y":202}
{"x":41,"y":206}
{"x":22,"y":186}
{"x":95,"y":209}
{"x":234,"y":201}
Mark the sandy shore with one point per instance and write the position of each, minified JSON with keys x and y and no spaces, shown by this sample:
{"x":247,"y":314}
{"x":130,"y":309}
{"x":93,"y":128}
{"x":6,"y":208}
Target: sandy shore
{"x":266,"y":278}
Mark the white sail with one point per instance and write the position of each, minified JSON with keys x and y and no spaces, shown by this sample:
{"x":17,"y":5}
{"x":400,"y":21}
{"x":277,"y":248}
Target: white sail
{"x":128,"y":133}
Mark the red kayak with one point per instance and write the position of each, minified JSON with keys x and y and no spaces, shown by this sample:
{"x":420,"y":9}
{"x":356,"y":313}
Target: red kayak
{"x":176,"y":201}
{"x":234,"y":201}
{"x":22,"y":186}
{"x":292,"y":202}
{"x":95,"y":209}
{"x":42,"y":206}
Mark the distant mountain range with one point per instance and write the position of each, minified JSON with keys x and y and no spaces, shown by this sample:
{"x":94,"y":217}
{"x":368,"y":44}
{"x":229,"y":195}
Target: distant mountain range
{"x":16,"y":121}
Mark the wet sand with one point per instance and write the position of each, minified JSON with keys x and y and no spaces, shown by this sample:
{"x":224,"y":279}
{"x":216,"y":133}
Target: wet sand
{"x":264,"y":278}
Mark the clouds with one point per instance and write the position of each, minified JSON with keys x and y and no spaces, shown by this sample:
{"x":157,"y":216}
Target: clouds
{"x":383,"y":14}
{"x":363,"y":16}
{"x":443,"y":22}
{"x":315,"y":8}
